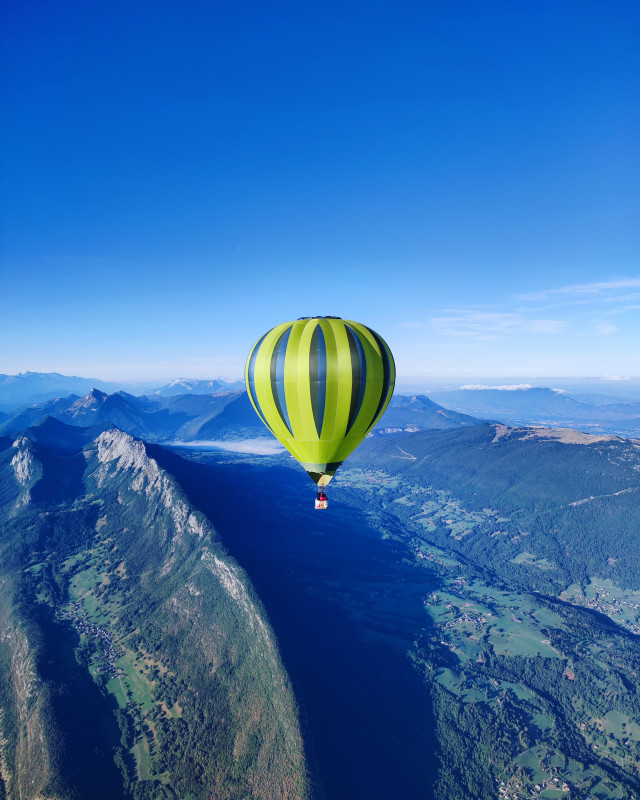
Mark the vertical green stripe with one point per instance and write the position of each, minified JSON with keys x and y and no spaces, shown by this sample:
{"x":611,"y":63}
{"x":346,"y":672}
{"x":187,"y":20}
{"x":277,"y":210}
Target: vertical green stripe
{"x":331,"y":399}
{"x":344,"y":382}
{"x":317,"y":376}
{"x":310,"y":433}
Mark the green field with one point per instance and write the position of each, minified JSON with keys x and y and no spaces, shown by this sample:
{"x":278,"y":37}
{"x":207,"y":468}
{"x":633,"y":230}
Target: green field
{"x":476,"y":622}
{"x":131,"y":685}
{"x":602,"y":594}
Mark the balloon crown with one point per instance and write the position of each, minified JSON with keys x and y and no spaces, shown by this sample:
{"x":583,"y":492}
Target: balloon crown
{"x":299,"y":318}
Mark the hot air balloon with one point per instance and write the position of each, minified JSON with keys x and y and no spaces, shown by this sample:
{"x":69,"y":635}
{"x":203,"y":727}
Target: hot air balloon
{"x":320,"y":384}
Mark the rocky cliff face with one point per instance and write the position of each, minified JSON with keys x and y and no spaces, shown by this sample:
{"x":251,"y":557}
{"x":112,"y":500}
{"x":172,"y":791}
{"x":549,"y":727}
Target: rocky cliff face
{"x":26,"y":469}
{"x":160,"y":632}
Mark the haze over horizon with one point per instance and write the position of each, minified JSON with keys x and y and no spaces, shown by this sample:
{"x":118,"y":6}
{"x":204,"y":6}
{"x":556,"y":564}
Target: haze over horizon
{"x":178,"y":180}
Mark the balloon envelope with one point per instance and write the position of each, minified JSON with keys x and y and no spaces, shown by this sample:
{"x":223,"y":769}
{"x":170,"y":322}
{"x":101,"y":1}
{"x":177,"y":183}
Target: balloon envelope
{"x":320,"y":384}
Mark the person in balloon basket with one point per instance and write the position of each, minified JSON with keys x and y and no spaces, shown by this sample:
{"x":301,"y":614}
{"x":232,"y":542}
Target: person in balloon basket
{"x":321,"y":499}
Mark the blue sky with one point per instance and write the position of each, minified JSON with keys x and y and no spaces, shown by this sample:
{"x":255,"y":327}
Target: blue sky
{"x":179,"y":177}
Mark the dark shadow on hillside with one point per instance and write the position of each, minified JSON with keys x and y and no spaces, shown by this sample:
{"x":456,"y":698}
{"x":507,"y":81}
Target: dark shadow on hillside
{"x":345,"y":609}
{"x":62,"y":478}
{"x":83,"y":718}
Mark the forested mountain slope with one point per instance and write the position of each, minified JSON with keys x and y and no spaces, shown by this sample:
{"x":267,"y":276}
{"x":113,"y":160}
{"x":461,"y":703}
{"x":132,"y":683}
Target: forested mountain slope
{"x":136,"y":660}
{"x":550,"y":507}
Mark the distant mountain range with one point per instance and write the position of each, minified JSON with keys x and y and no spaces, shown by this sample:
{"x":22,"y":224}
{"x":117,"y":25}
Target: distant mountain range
{"x":197,"y":417}
{"x":533,"y":405}
{"x":419,"y":413}
{"x":521,"y":404}
{"x":36,"y":387}
{"x":182,"y":386}
{"x":155,"y":418}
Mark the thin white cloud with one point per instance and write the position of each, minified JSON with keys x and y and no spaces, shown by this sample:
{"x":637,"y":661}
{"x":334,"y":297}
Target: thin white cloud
{"x":510,"y":387}
{"x":546,"y":326}
{"x":412,"y":324}
{"x":480,"y":325}
{"x":488,"y":326}
{"x":623,"y":298}
{"x":606,"y":328}
{"x":258,"y":447}
{"x":210,"y":359}
{"x":595,"y":288}
{"x":562,"y":303}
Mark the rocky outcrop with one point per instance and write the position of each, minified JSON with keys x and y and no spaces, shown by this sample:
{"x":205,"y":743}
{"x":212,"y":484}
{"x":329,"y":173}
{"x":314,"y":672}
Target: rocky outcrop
{"x":24,"y":462}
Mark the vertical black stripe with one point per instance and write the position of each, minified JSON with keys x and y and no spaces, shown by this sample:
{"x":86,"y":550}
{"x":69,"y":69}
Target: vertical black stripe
{"x":251,"y":389}
{"x":276,"y":371}
{"x":358,"y":375}
{"x":281,"y":357}
{"x":386,"y":373}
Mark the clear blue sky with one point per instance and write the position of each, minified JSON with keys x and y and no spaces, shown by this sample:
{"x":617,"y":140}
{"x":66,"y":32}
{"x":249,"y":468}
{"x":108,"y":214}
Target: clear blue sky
{"x":177,"y":178}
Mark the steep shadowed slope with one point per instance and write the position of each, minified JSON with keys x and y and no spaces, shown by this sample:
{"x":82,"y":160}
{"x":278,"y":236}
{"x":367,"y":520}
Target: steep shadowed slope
{"x":128,"y":632}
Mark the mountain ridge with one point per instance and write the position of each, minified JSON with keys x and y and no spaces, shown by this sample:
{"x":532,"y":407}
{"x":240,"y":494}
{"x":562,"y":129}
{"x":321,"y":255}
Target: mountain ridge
{"x":144,"y":605}
{"x":196,"y":417}
{"x":526,"y":405}
{"x":35,"y":387}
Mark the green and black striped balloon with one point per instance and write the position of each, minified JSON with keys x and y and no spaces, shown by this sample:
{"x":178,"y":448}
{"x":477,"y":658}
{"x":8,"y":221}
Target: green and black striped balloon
{"x":320,"y":384}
